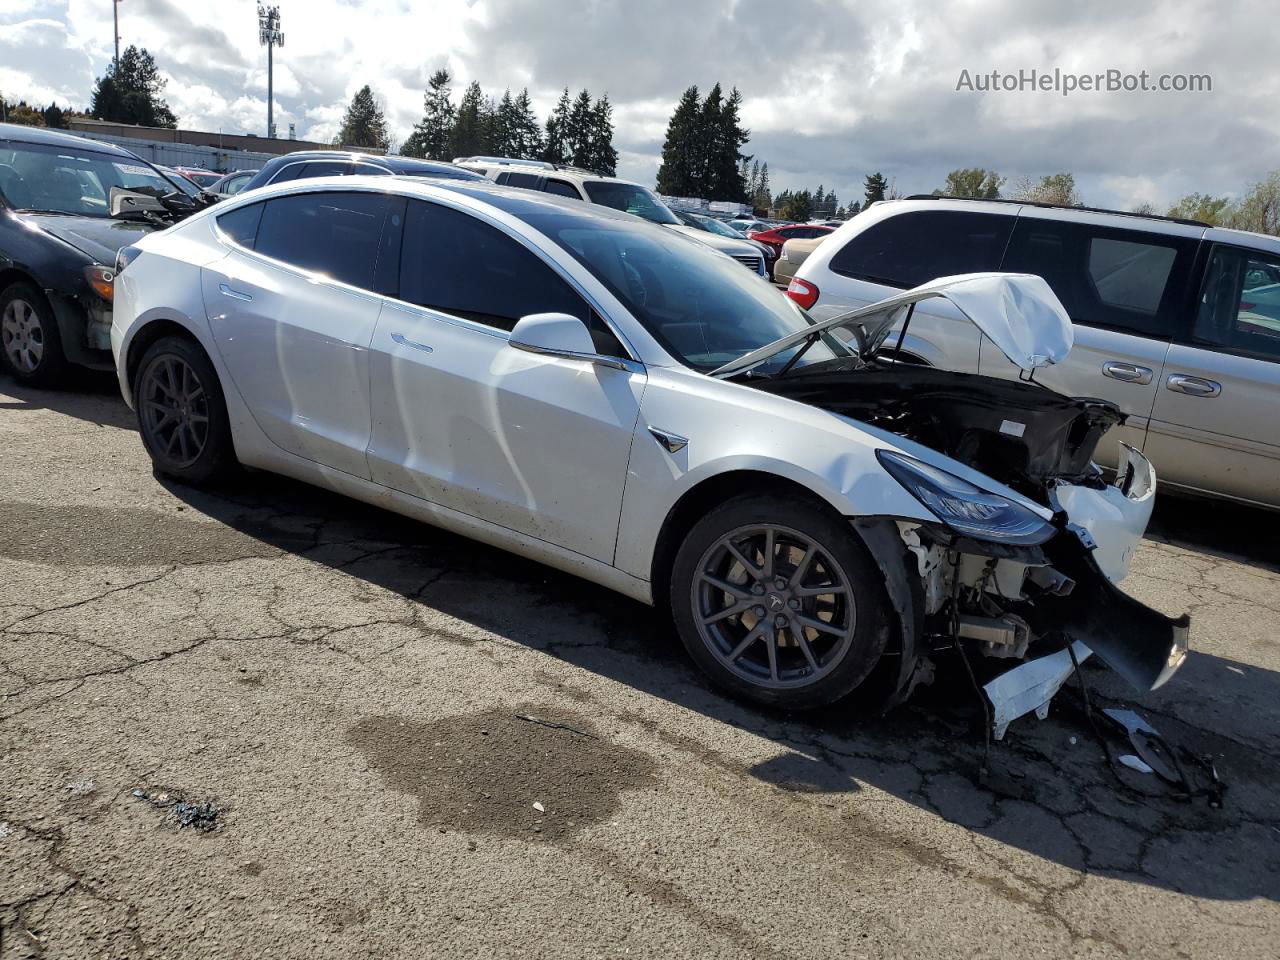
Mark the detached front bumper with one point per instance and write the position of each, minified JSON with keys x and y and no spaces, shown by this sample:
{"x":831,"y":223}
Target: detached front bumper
{"x":1105,"y":527}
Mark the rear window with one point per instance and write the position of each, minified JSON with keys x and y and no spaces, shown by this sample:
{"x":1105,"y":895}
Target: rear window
{"x":241,"y":224}
{"x":334,"y":234}
{"x":561,"y":189}
{"x":914,"y":248}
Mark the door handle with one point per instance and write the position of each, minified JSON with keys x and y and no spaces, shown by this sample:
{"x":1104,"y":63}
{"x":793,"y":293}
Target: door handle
{"x":1128,"y":372}
{"x":227,"y":291}
{"x":401,"y":339}
{"x":1193,"y":386}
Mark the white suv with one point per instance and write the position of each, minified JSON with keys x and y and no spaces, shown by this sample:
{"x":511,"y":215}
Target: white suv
{"x":622,"y":195}
{"x":1176,"y":321}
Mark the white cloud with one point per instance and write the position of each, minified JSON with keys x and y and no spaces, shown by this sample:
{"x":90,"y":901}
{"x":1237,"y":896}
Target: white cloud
{"x":833,"y":89}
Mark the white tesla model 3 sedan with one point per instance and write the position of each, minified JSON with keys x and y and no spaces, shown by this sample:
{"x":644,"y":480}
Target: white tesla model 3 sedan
{"x":582,"y":387}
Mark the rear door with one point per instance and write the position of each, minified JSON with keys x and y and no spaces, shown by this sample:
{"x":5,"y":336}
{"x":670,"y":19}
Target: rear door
{"x":1215,"y":426}
{"x":904,"y":251}
{"x":293,"y":307}
{"x":1124,"y":291}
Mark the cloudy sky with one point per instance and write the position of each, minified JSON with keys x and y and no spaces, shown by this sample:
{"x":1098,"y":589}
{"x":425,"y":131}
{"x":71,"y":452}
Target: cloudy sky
{"x":833,"y":89}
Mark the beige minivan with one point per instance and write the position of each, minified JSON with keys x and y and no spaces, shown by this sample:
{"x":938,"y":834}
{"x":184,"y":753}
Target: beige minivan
{"x":1175,"y":321}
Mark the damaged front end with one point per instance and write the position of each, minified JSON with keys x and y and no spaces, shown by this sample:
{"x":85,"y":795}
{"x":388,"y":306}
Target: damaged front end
{"x":1026,"y":602}
{"x":1021,"y":571}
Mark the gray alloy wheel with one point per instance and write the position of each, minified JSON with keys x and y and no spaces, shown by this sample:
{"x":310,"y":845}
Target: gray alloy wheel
{"x":22,"y":336}
{"x":174,"y":410}
{"x":773,"y":607}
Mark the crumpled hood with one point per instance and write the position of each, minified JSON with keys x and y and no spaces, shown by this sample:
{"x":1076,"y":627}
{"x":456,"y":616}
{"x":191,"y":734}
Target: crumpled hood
{"x":98,"y":238}
{"x":1017,"y":311}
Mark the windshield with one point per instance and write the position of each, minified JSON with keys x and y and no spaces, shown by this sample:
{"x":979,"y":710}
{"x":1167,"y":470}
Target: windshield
{"x":629,"y":198}
{"x":701,"y":305}
{"x":184,"y":183}
{"x":713,"y":225}
{"x":37,"y":176}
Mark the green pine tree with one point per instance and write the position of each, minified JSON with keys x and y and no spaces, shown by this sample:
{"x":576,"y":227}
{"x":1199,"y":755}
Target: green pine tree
{"x":554,"y":146}
{"x":874,"y":187}
{"x":129,"y":92}
{"x":676,"y":174}
{"x":430,"y":137}
{"x":364,"y":125}
{"x":469,"y":135}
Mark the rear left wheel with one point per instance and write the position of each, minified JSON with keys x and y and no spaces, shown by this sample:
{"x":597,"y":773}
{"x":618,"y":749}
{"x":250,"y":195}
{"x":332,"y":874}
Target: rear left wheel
{"x":779,"y":602}
{"x":182,"y":414}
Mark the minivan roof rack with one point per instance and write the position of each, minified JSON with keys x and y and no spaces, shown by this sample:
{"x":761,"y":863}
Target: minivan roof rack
{"x":1063,"y":206}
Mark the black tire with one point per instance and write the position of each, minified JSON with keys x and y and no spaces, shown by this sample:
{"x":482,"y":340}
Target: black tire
{"x":29,"y":332}
{"x":795,"y":683}
{"x":171,"y":431}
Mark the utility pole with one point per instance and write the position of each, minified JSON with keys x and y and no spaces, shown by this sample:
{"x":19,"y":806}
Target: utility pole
{"x":270,"y":36}
{"x":115,"y":16}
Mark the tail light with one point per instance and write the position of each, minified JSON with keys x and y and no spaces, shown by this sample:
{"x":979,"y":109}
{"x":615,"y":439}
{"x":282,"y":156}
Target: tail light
{"x":802,"y":292}
{"x":101,"y":281}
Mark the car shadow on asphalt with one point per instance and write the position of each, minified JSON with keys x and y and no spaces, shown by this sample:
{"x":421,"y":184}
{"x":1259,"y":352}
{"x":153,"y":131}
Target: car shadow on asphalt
{"x":94,"y":397}
{"x":1047,"y":790}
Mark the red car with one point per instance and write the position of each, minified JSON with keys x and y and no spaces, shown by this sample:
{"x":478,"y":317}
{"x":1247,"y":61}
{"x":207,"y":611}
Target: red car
{"x":200,"y":176}
{"x":776,"y":237}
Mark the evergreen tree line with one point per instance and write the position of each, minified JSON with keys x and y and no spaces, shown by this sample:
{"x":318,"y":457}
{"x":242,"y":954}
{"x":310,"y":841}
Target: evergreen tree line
{"x":702,"y":154}
{"x":579,"y":130}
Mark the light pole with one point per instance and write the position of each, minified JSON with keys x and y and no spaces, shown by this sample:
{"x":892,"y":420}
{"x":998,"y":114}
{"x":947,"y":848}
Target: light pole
{"x":115,"y":17}
{"x":270,"y":36}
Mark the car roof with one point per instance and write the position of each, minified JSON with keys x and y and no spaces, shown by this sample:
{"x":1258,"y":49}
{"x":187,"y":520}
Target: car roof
{"x":1151,"y":222}
{"x":516,"y":201}
{"x":567,"y":173}
{"x":56,"y":138}
{"x":393,"y":162}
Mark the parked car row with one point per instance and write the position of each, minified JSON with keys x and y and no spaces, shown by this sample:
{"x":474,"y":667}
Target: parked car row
{"x":827,"y":490}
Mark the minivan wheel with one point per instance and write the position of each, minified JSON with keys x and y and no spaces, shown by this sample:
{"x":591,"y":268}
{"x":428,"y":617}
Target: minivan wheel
{"x":182,"y":415}
{"x":779,"y":602}
{"x":30,"y":347}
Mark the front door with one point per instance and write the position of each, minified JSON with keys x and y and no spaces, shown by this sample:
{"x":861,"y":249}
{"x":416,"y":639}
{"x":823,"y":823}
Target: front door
{"x":1215,"y":426}
{"x":535,"y":444}
{"x":292,"y":308}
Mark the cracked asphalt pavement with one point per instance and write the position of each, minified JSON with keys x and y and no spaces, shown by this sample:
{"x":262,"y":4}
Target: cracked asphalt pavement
{"x":268,"y":721}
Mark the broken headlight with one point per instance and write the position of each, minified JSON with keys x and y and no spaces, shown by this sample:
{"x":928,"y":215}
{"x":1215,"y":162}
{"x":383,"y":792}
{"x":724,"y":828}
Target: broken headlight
{"x":965,"y":508}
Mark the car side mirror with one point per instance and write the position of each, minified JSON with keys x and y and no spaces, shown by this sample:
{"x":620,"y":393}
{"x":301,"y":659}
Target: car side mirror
{"x":561,"y":335}
{"x":125,"y":204}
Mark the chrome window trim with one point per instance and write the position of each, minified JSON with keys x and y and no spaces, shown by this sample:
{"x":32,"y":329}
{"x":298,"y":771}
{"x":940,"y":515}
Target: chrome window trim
{"x":248,"y":200}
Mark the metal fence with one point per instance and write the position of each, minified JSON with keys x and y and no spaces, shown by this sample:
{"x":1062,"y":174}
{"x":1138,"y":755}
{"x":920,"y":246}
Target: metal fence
{"x":184,"y":154}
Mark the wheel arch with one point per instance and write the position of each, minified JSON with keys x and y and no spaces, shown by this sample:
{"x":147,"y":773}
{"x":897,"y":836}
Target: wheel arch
{"x":703,"y":496}
{"x":153,"y":330}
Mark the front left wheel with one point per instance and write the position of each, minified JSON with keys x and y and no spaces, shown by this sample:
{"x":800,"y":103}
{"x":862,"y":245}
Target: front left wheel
{"x":779,"y":602}
{"x":182,"y":414}
{"x":29,"y":342}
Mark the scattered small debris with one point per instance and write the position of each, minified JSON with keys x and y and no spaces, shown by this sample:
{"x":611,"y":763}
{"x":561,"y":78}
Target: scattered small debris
{"x":1134,"y":763}
{"x":202,"y":816}
{"x":537,"y":805}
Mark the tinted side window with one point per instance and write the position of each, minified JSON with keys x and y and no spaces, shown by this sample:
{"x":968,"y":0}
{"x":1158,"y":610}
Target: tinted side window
{"x":1121,"y":279}
{"x":527,"y":180}
{"x":1239,"y":307}
{"x":369,"y":170}
{"x":452,"y":262}
{"x":242,"y":225}
{"x":323,"y":168}
{"x":561,"y":189}
{"x":913,"y":248}
{"x":335,"y":234}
